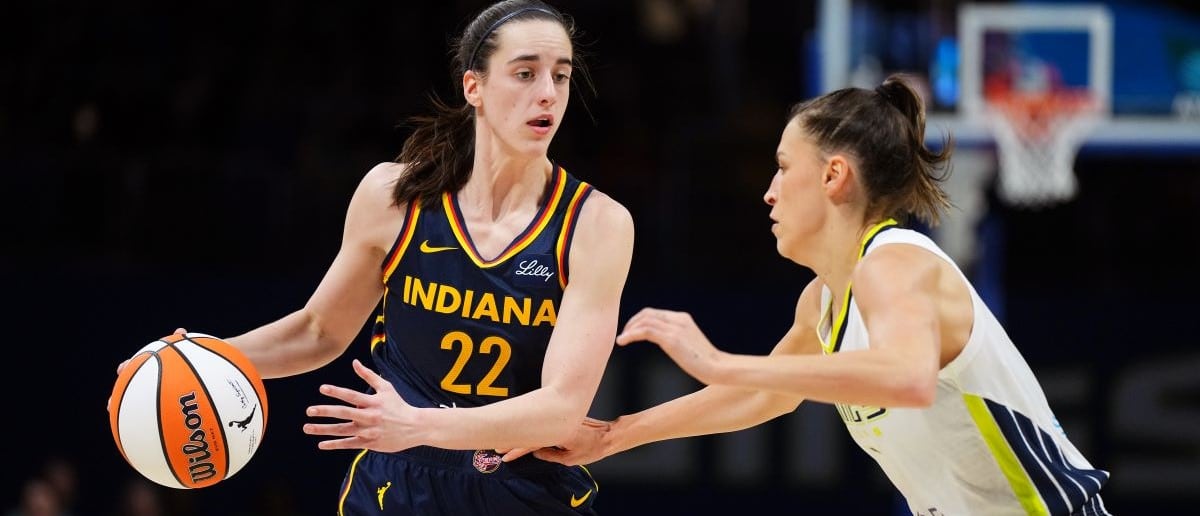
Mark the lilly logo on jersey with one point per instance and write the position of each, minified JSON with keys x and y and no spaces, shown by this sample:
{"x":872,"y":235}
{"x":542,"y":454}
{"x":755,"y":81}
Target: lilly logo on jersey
{"x":532,"y":268}
{"x":535,"y":270}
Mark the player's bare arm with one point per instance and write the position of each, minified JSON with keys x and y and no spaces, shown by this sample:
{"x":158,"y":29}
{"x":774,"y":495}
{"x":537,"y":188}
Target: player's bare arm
{"x":693,"y":414}
{"x":922,"y":313}
{"x":896,"y":290}
{"x":320,"y":331}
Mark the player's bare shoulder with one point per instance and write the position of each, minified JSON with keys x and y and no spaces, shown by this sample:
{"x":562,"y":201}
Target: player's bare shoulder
{"x":603,"y":236}
{"x":374,"y":217}
{"x":380,"y":181}
{"x":603,"y":214}
{"x":893,"y":270}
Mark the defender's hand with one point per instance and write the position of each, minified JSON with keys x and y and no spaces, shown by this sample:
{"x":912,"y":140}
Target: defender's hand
{"x":677,"y":334}
{"x":585,"y":446}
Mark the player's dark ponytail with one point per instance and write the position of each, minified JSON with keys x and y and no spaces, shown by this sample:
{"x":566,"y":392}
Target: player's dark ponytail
{"x":885,"y":129}
{"x":921,"y":193}
{"x":441,"y":148}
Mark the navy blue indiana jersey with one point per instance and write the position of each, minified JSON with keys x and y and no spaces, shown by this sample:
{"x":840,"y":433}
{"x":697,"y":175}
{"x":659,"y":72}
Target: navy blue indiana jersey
{"x":459,"y":330}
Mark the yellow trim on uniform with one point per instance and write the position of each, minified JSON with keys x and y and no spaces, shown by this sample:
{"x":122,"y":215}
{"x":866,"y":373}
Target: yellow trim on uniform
{"x":862,"y":248}
{"x":568,"y":220}
{"x":544,"y":217}
{"x":589,"y":474}
{"x":409,"y":229}
{"x":839,"y":325}
{"x":1010,"y":465}
{"x":824,"y":314}
{"x":349,"y":482}
{"x":376,"y":339}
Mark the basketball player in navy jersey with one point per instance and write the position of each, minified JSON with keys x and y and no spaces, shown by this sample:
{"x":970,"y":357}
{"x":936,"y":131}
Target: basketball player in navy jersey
{"x":497,"y":276}
{"x":890,"y":331}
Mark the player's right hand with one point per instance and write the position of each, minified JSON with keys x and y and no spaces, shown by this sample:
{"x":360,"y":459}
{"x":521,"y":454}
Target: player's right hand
{"x":121,"y":366}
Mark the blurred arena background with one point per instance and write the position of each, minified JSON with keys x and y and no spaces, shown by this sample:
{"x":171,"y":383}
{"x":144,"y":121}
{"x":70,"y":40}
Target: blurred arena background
{"x":190,"y":165}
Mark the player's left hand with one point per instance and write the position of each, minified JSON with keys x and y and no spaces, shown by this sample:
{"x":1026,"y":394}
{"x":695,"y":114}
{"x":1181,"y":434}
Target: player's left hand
{"x":381,"y":421}
{"x":677,"y":334}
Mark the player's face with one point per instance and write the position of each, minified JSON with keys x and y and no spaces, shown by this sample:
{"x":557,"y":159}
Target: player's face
{"x":795,"y":194}
{"x":525,"y":93}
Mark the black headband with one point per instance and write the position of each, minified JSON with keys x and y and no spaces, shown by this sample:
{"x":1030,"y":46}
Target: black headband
{"x":497,"y":24}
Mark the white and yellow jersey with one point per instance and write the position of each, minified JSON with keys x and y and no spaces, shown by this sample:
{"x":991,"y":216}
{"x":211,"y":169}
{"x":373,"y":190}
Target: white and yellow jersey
{"x":989,"y":444}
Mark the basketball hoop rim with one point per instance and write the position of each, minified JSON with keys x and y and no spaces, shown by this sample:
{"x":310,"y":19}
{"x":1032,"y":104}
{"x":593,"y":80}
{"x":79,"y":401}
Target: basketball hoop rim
{"x":1036,"y":115}
{"x":1067,"y":102}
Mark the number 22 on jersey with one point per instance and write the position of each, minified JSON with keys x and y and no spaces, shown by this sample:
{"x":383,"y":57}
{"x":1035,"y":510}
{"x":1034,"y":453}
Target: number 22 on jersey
{"x":491,"y":345}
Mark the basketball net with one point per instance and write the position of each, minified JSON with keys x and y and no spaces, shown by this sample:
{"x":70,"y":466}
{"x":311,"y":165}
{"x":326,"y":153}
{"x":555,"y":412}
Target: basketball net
{"x":1037,"y":138}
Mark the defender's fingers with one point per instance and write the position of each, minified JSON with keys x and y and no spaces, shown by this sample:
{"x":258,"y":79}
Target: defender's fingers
{"x":657,"y":315}
{"x":596,"y":423}
{"x":641,"y":315}
{"x":515,"y":453}
{"x":653,"y":330}
{"x":555,"y":455}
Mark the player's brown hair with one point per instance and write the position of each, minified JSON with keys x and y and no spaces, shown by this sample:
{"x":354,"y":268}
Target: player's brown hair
{"x":440,"y":150}
{"x":884,"y":129}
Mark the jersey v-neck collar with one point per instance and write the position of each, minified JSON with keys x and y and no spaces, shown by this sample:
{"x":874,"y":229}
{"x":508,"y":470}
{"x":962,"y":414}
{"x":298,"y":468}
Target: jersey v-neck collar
{"x":459,"y":226}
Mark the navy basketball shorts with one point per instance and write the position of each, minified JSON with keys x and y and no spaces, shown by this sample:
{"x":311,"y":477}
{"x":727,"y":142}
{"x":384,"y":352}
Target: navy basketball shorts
{"x":429,"y":481}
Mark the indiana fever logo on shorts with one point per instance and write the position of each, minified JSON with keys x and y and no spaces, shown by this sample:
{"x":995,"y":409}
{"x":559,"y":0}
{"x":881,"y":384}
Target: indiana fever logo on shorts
{"x":486,"y":461}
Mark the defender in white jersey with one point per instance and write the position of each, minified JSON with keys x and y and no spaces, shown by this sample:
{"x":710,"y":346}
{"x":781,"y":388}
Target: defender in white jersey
{"x":890,"y":331}
{"x":987,"y":404}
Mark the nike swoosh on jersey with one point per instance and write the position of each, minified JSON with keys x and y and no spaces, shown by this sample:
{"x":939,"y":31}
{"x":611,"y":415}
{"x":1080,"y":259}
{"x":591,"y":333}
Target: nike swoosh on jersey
{"x":426,"y":248}
{"x":576,"y":502}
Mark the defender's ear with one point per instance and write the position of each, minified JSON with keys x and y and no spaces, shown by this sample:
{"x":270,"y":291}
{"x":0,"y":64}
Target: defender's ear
{"x":838,"y":177}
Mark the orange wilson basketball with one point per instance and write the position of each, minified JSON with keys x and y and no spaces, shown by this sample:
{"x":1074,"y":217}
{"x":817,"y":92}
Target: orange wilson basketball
{"x":188,"y":411}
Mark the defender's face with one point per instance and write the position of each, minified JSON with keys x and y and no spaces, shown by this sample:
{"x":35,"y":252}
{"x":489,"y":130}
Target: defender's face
{"x":795,"y":194}
{"x":524,"y":96}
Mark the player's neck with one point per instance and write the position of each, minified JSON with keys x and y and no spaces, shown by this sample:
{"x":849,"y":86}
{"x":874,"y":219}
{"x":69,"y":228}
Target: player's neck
{"x":841,"y":241}
{"x":502,"y":184}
